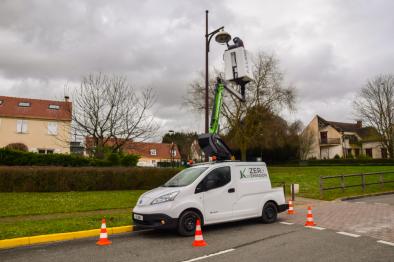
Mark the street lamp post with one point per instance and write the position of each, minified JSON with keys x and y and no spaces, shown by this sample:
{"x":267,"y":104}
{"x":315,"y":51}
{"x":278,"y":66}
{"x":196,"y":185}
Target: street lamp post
{"x":171,"y":132}
{"x":221,"y":38}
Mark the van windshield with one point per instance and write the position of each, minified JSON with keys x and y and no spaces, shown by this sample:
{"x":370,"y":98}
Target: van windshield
{"x":185,"y":177}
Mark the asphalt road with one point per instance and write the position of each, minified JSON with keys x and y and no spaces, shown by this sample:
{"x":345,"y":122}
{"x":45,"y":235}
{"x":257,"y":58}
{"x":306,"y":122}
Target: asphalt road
{"x":383,"y":199}
{"x":241,"y":241}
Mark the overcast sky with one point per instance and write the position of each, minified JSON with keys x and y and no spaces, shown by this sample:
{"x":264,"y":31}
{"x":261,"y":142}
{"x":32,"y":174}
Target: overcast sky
{"x":327,"y":49}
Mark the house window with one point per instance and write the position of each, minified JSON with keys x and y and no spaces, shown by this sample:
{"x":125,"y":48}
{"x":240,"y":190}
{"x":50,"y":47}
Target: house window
{"x":55,"y":107}
{"x":1,"y":102}
{"x":153,"y":152}
{"x":368,"y":152}
{"x":349,"y":152}
{"x":323,"y":137}
{"x":24,"y":104}
{"x":45,"y":151}
{"x":52,"y":128}
{"x":21,"y":126}
{"x":173,"y":153}
{"x":356,"y":152}
{"x":384,"y":152}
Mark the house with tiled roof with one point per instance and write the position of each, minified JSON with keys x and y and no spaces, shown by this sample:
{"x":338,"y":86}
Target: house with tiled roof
{"x":331,"y":138}
{"x":151,"y":154}
{"x":43,"y":126}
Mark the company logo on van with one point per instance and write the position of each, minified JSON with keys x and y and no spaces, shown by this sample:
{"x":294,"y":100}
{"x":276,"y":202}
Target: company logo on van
{"x":252,"y":172}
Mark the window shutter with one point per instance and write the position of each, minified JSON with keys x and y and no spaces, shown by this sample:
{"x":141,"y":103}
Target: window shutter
{"x":24,"y":126}
{"x":52,"y":128}
{"x":19,"y":126}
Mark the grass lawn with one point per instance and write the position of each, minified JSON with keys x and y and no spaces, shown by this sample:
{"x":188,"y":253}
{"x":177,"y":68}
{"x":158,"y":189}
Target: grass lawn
{"x":27,"y":214}
{"x":308,"y":179}
{"x":17,"y":204}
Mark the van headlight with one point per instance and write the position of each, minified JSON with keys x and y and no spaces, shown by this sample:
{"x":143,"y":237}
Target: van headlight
{"x":165,"y":198}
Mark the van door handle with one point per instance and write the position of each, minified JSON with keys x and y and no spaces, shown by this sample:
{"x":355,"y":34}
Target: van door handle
{"x":231,"y":190}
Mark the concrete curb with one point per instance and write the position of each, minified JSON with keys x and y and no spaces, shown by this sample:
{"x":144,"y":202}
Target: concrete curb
{"x":25,"y":241}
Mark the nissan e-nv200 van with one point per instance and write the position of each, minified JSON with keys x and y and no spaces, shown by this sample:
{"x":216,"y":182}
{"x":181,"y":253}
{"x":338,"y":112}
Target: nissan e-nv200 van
{"x":213,"y":192}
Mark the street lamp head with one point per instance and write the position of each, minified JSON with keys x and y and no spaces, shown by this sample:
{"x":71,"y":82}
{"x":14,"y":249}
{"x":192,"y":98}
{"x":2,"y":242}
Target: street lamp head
{"x":222,"y":37}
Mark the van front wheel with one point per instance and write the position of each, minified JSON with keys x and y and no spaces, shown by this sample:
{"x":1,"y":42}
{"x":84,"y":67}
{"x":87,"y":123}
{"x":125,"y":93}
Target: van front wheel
{"x":270,"y":213}
{"x":187,"y":223}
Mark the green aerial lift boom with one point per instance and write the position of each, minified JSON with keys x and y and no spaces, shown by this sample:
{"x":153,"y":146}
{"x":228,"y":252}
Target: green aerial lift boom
{"x":211,"y":143}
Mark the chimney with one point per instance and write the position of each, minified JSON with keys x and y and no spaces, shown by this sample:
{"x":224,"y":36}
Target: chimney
{"x":359,"y":124}
{"x":66,"y":98}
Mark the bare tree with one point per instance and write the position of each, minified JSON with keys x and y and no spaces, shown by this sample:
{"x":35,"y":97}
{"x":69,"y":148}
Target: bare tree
{"x":306,"y":142}
{"x":375,"y":106}
{"x":266,"y":90}
{"x":110,"y":112}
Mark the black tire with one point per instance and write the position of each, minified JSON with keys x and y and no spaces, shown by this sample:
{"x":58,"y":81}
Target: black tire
{"x":270,"y":213}
{"x":187,"y":223}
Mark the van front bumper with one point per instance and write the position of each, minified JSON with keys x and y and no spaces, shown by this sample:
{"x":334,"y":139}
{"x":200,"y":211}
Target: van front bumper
{"x":282,"y":208}
{"x":155,"y":221}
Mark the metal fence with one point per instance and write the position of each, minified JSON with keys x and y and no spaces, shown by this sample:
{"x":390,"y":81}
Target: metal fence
{"x":363,"y":183}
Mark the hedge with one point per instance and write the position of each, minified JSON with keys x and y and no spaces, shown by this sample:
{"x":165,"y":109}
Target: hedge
{"x":11,"y":157}
{"x":60,"y":179}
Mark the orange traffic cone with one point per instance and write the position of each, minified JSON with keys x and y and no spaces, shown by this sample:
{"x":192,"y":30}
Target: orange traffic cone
{"x":291,"y":208}
{"x":309,"y":218}
{"x":198,"y":239}
{"x":103,"y":235}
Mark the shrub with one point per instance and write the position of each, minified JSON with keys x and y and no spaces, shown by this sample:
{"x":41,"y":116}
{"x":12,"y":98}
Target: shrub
{"x":17,"y":146}
{"x":337,"y":156}
{"x":11,"y":157}
{"x":113,"y":159}
{"x":57,"y":179}
{"x":130,"y":160}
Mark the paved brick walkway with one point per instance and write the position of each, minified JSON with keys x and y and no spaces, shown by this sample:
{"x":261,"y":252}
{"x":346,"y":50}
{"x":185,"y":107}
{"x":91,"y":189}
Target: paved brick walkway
{"x":368,"y":219}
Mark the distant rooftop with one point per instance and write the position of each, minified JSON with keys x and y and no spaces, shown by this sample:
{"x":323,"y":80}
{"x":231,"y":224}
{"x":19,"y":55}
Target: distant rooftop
{"x":18,"y":107}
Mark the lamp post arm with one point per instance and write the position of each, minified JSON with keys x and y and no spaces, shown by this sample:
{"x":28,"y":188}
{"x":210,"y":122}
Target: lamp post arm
{"x":211,"y":34}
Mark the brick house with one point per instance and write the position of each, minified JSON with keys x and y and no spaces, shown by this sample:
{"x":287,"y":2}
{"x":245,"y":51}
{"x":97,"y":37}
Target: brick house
{"x":42,"y":125}
{"x":343,"y":139}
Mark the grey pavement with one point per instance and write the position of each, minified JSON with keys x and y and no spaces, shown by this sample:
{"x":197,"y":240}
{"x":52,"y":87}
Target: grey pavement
{"x":368,"y":219}
{"x":382,"y":199}
{"x":248,"y":241}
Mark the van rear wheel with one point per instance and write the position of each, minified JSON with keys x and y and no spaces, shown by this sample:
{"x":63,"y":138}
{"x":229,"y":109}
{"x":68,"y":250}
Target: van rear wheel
{"x":187,"y":223}
{"x":270,"y":213}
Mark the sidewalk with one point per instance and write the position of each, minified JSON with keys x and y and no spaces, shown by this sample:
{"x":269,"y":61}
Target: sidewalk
{"x":374,"y":220}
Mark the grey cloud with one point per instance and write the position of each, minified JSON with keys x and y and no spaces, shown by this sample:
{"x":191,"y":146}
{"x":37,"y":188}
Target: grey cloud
{"x":327,"y":50}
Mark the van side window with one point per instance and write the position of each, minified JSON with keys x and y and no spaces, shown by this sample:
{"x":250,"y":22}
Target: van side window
{"x":217,"y":178}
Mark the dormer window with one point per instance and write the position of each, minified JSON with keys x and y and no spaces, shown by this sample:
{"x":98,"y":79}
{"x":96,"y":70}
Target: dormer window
{"x":153,"y":152}
{"x":55,"y":107}
{"x":24,"y":104}
{"x":1,"y":102}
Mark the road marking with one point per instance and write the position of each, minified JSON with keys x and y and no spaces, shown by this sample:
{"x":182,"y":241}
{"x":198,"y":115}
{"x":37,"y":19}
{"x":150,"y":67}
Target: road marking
{"x":314,"y":227}
{"x":359,"y":202}
{"x":286,"y":223}
{"x":385,"y":242}
{"x":210,"y":255}
{"x":383,"y":204}
{"x":348,"y":234}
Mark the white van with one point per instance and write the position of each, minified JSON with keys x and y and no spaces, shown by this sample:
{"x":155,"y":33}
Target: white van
{"x":214,"y":193}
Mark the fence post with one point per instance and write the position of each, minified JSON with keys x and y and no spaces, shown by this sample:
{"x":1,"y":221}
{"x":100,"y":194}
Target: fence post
{"x":381,"y":180}
{"x":321,"y":187}
{"x":292,"y":192}
{"x":363,"y":181}
{"x":343,"y":183}
{"x":284,"y":188}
